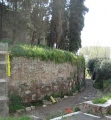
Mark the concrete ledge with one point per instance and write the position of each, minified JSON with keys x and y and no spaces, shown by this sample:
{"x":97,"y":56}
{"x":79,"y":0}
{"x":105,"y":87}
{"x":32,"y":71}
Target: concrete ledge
{"x":96,"y":109}
{"x":108,"y":103}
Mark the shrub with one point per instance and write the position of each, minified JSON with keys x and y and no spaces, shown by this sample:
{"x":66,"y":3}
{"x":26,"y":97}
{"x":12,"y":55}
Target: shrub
{"x":9,"y":41}
{"x":15,"y":103}
{"x":93,"y":64}
{"x":90,"y":65}
{"x":103,"y":73}
{"x":100,"y":70}
{"x":107,"y":83}
{"x":76,"y":109}
{"x":106,"y":69}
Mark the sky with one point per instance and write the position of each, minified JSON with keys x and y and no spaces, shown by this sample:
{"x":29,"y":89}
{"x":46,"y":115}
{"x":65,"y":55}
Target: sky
{"x":97,"y":29}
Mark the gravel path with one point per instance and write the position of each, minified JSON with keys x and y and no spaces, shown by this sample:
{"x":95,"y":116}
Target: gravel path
{"x":88,"y":93}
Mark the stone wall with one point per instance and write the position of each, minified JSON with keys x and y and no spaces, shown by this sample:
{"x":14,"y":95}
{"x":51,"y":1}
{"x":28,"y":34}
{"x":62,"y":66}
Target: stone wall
{"x":32,"y":79}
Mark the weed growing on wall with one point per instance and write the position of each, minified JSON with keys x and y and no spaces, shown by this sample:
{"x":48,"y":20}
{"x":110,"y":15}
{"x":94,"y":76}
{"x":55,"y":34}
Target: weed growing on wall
{"x":45,"y":53}
{"x":15,"y":103}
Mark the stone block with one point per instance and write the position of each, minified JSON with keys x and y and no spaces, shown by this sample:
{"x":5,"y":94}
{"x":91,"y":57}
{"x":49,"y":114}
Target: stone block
{"x":27,"y":92}
{"x":32,"y":107}
{"x":58,"y":99}
{"x":96,"y":109}
{"x":34,"y":97}
{"x":46,"y":102}
{"x":28,"y":109}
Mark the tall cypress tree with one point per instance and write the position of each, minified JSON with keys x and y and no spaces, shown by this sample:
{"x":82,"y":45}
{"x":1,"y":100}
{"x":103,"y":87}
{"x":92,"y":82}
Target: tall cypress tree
{"x":56,"y":28}
{"x":38,"y":18}
{"x":76,"y":23}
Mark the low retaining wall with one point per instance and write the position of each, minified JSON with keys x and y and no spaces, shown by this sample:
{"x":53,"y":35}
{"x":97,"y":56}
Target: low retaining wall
{"x":96,"y":109}
{"x":32,"y":79}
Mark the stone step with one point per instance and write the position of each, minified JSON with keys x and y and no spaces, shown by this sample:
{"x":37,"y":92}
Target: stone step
{"x":2,"y":80}
{"x":3,"y":52}
{"x":3,"y":98}
{"x":3,"y":62}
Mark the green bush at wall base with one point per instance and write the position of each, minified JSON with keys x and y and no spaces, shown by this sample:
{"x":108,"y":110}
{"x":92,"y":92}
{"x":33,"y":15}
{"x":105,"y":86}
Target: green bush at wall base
{"x":15,"y":102}
{"x":76,"y":109}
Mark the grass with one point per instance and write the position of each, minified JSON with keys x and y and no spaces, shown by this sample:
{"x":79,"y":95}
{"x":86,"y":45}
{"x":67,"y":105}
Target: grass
{"x":15,"y":103}
{"x":102,"y":100}
{"x":43,"y":53}
{"x":107,"y":83}
{"x":16,"y":118}
{"x":105,"y":98}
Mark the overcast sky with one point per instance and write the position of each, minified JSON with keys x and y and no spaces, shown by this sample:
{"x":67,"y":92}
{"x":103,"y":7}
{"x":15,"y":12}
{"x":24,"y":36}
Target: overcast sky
{"x":97,"y":29}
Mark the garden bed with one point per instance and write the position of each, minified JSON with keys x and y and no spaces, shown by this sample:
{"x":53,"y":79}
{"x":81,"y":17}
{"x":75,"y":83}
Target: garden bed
{"x":96,"y":109}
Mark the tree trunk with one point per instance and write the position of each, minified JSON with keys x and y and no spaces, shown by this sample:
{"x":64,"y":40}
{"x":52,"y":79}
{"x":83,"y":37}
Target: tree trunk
{"x":32,"y":41}
{"x":38,"y":41}
{"x":14,"y":21}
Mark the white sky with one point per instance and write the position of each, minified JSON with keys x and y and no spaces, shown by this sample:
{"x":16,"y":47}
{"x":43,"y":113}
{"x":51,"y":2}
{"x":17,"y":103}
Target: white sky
{"x":97,"y":29}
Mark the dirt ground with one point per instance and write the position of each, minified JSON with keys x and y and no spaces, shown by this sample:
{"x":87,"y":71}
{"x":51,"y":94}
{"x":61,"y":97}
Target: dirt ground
{"x":58,"y":108}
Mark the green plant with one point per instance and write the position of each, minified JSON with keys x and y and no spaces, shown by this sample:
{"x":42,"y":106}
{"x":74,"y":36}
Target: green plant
{"x":107,"y":83}
{"x":76,"y":109}
{"x":55,"y":95}
{"x":16,"y":118}
{"x":93,"y":65}
{"x":101,"y":72}
{"x":34,"y":103}
{"x":106,"y":69}
{"x":109,"y":112}
{"x":46,"y":97}
{"x":15,"y":102}
{"x":70,"y":93}
{"x":98,"y":85}
{"x":87,"y":75}
{"x":37,"y":103}
{"x":102,"y":100}
{"x":45,"y":53}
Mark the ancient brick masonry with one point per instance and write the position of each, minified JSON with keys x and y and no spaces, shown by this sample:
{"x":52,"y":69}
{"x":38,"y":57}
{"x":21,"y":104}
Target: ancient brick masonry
{"x":32,"y":79}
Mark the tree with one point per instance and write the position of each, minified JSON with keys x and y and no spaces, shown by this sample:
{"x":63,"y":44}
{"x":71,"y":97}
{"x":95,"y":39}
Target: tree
{"x":15,"y":16}
{"x":56,"y":28}
{"x":38,"y":23}
{"x":76,"y":23}
{"x":96,"y":52}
